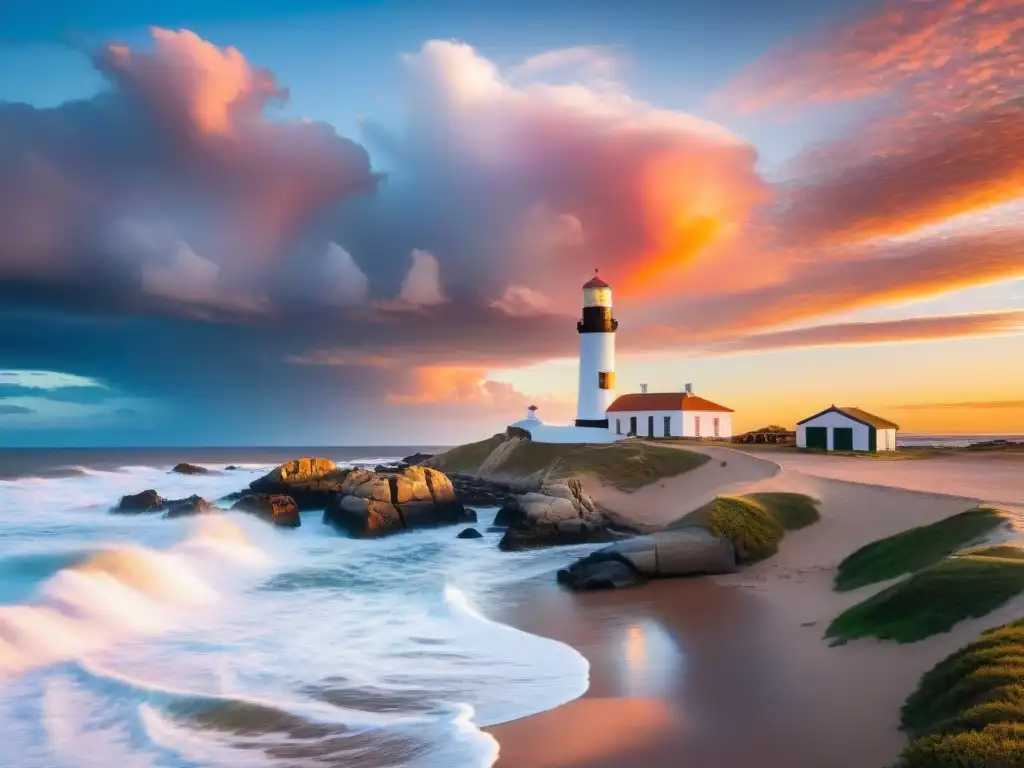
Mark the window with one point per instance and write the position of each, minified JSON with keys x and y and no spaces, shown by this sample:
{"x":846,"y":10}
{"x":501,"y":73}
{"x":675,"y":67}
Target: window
{"x":696,"y":426}
{"x":668,"y":426}
{"x":716,"y":427}
{"x":606,"y":380}
{"x":618,"y":426}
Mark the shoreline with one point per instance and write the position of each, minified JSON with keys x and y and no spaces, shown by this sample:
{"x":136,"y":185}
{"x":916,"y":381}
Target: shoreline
{"x":733,"y":670}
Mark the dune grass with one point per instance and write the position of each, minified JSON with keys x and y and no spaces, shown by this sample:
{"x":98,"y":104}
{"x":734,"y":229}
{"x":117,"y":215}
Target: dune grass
{"x":936,"y":598}
{"x":914,"y":549}
{"x":968,"y":710}
{"x":466,"y":459}
{"x":756,"y":523}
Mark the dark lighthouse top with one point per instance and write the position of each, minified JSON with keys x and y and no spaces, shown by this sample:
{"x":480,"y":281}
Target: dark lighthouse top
{"x":597,"y":307}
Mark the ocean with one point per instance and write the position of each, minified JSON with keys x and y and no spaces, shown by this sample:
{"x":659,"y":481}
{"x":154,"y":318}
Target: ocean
{"x":948,"y":441}
{"x":221,"y":641}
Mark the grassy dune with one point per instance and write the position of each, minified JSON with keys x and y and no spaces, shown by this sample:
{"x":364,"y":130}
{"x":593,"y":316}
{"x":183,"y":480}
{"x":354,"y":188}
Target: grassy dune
{"x":756,"y":523}
{"x":915,"y":549}
{"x":935,"y":598}
{"x":968,"y":710}
{"x":625,"y":465}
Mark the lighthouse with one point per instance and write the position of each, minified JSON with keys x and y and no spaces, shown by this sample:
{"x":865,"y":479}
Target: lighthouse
{"x":597,"y":354}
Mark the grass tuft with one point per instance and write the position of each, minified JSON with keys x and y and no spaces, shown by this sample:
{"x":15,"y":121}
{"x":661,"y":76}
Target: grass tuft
{"x":755,"y":524}
{"x":914,"y":549}
{"x":968,"y":710}
{"x":936,"y":598}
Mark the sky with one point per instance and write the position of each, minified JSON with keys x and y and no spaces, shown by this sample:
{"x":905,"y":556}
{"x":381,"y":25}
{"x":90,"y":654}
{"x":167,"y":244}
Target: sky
{"x":368,"y":223}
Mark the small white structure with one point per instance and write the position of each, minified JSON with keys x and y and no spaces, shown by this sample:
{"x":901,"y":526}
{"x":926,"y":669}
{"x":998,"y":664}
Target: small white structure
{"x":561,"y":433}
{"x":846,"y":429}
{"x":669,"y":414}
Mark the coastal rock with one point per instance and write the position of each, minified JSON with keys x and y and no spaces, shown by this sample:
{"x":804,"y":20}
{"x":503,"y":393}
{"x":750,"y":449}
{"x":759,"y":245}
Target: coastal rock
{"x":189,"y":469}
{"x":470,"y":533}
{"x":231,"y":468}
{"x":144,"y":501}
{"x":560,"y":513}
{"x":375,"y":504}
{"x":278,"y":509}
{"x":312,"y":483}
{"x":601,"y":571}
{"x":482,"y":493}
{"x":193,"y":505}
{"x":417,"y":458}
{"x":683,"y":552}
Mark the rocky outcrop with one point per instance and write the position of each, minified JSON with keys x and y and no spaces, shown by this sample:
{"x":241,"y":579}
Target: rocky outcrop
{"x":417,"y":458}
{"x":189,"y":469}
{"x":144,"y":501}
{"x":278,"y":509}
{"x":193,"y":505}
{"x":683,"y":552}
{"x":312,"y":483}
{"x":377,"y":504}
{"x":478,"y":492}
{"x":560,"y":513}
{"x":470,"y":533}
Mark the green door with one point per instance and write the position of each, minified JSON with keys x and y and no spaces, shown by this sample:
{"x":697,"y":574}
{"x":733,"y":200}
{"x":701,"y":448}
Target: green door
{"x":817,"y":437}
{"x":842,"y":438}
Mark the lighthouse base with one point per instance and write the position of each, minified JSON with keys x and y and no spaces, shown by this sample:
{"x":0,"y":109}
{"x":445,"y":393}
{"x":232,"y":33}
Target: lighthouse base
{"x":598,"y":423}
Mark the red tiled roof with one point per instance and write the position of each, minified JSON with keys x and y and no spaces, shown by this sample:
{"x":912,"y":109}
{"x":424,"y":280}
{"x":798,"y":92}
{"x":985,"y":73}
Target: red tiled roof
{"x":664,"y":401}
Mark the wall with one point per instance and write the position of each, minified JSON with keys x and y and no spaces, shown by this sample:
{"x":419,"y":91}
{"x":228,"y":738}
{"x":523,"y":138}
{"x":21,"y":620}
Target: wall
{"x":881,"y":435}
{"x":861,"y":432}
{"x":677,"y":421}
{"x":555,"y":433}
{"x":597,"y":353}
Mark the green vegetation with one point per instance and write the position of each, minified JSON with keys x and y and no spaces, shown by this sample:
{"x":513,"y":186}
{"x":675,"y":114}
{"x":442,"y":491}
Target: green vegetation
{"x":625,"y":465}
{"x":755,"y":524}
{"x":936,"y":598}
{"x":466,"y":458}
{"x":915,"y":549}
{"x":968,"y":710}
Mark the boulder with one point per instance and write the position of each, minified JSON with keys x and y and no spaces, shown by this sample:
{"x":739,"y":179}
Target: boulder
{"x":231,"y":468}
{"x":482,"y":493}
{"x":144,"y":501}
{"x":190,"y":469}
{"x":278,"y":509}
{"x":375,"y":504}
{"x":312,"y":483}
{"x":417,"y":458}
{"x":560,"y":513}
{"x":470,"y":533}
{"x":193,"y":505}
{"x":683,"y":552}
{"x":608,"y":571}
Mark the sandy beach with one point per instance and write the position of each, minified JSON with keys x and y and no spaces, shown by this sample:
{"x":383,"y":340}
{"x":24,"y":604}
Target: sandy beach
{"x":732,"y":670}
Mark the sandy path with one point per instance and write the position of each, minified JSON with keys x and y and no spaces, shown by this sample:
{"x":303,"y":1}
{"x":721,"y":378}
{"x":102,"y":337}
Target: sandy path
{"x":997,"y":479}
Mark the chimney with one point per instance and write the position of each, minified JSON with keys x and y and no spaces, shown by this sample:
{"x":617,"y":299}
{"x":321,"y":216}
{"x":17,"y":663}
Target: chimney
{"x":643,"y":388}
{"x":689,"y":389}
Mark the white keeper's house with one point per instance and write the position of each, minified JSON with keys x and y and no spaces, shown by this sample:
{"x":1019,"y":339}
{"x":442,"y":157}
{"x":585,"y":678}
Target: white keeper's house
{"x":846,"y":429}
{"x":603,"y":417}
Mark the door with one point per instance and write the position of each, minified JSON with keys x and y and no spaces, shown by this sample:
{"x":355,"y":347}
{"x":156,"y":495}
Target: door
{"x":817,"y":437}
{"x":842,"y":438}
{"x":618,"y":426}
{"x":696,"y":426}
{"x":668,"y":426}
{"x":650,"y":426}
{"x":632,"y":425}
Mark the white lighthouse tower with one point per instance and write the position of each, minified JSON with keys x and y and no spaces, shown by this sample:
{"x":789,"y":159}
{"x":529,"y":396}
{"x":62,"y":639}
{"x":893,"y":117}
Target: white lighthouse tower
{"x":597,"y":355}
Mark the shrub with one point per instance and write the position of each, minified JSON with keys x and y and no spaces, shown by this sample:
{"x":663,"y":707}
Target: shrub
{"x":914,"y":549}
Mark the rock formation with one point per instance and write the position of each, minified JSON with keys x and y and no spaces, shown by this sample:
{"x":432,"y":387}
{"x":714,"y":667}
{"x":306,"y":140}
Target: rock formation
{"x":190,"y":469}
{"x":312,"y":483}
{"x":683,"y":552}
{"x":278,"y":509}
{"x":417,"y":458}
{"x":144,"y":501}
{"x":193,"y":505}
{"x":470,"y":533}
{"x":371,"y":504}
{"x":560,"y":513}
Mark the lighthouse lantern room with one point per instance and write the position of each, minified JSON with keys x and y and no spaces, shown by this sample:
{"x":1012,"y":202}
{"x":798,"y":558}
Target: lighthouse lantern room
{"x":597,"y":354}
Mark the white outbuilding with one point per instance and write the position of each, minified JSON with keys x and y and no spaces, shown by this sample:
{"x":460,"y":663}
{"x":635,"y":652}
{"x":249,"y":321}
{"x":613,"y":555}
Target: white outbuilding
{"x":846,"y":429}
{"x":669,"y":414}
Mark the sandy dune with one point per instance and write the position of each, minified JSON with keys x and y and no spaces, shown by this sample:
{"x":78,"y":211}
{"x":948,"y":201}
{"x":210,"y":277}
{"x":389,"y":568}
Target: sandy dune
{"x":760,"y":685}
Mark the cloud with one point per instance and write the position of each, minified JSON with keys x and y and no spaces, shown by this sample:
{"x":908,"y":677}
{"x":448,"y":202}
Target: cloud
{"x":520,"y":301}
{"x":965,"y":406}
{"x":343,"y":282}
{"x":866,"y":333}
{"x":87,"y":395}
{"x":14,"y":410}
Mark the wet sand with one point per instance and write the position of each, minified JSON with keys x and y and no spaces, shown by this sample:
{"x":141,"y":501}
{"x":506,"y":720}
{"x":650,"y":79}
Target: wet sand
{"x":733,"y":671}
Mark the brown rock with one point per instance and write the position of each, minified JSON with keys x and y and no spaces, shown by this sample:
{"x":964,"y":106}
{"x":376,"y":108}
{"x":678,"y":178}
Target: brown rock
{"x":363,"y":518}
{"x":311,"y":483}
{"x":144,"y":501}
{"x":193,"y":505}
{"x":278,"y":509}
